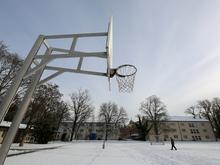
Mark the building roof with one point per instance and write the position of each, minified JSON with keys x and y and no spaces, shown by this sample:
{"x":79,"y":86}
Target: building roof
{"x":185,"y":118}
{"x":8,"y":124}
{"x":87,"y":122}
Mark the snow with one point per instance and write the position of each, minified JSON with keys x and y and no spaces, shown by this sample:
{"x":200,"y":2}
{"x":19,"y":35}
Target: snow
{"x":16,"y":149}
{"x":185,"y":118}
{"x":8,"y":124}
{"x":122,"y":153}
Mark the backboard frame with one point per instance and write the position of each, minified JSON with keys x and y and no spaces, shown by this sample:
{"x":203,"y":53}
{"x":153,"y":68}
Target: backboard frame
{"x":109,"y":48}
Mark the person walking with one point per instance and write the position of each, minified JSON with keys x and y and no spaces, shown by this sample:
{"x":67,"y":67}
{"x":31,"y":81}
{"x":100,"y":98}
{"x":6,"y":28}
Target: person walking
{"x":172,"y":144}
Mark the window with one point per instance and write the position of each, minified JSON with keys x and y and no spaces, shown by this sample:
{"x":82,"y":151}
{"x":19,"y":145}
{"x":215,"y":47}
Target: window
{"x":191,"y":125}
{"x":204,"y":130}
{"x":166,"y":130}
{"x":100,"y":130}
{"x":202,"y":124}
{"x":185,"y":137}
{"x":196,"y":138}
{"x":184,"y":130}
{"x":182,"y":124}
{"x":175,"y":136}
{"x":99,"y":124}
{"x":173,"y":130}
{"x":81,"y":130}
{"x":207,"y":137}
{"x":194,"y":131}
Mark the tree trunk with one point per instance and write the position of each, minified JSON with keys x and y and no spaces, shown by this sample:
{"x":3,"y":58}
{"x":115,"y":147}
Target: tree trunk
{"x":58,"y":124}
{"x":106,"y":132}
{"x":156,"y":128}
{"x":76,"y":132}
{"x":26,"y":131}
{"x":73,"y":130}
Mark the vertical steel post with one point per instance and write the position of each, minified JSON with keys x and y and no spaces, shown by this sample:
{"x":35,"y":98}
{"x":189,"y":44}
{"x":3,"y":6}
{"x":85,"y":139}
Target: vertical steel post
{"x":105,"y":132}
{"x":8,"y":139}
{"x":16,"y":83}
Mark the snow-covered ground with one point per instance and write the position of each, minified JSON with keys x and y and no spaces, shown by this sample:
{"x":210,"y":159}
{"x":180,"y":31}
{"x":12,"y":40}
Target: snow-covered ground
{"x":16,"y":149}
{"x":123,"y":153}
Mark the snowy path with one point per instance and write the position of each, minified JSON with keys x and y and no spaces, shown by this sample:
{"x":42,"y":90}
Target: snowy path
{"x":124,"y":153}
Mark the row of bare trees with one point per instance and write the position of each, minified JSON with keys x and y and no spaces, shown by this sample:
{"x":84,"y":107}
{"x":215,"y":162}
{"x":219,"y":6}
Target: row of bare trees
{"x":82,"y":110}
{"x":209,"y":109}
{"x":47,"y":109}
{"x":154,"y":112}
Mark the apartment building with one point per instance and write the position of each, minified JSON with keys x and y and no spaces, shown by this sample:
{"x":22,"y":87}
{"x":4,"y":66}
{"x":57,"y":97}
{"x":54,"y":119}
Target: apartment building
{"x":185,"y":128}
{"x":181,"y":128}
{"x":87,"y":131}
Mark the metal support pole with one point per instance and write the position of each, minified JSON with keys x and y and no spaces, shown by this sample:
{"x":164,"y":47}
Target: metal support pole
{"x":105,"y":132}
{"x":8,"y":139}
{"x":37,"y":73}
{"x":16,"y":83}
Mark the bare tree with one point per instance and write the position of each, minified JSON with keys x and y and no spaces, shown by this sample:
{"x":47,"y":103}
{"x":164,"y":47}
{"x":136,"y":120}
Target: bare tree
{"x":63,"y":112}
{"x":121,"y":117}
{"x":82,"y":109}
{"x":216,"y":115}
{"x":112,"y":117}
{"x":211,"y":111}
{"x":205,"y":107}
{"x":9,"y":66}
{"x":143,"y":126}
{"x":155,"y":110}
{"x":10,"y":63}
{"x":192,"y":111}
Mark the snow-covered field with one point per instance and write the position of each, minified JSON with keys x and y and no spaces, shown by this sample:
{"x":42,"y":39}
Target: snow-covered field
{"x":122,"y":153}
{"x":15,"y":149}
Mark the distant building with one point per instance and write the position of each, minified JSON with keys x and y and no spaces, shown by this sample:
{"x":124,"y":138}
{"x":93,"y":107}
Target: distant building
{"x":182,"y":128}
{"x":185,"y":128}
{"x":129,"y":131}
{"x":87,"y":131}
{"x":5,"y":125}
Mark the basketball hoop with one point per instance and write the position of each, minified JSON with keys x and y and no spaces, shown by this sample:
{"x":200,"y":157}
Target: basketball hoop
{"x":125,"y":76}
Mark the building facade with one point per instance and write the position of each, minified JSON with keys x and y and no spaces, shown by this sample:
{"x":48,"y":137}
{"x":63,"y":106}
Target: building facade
{"x":5,"y":125}
{"x":87,"y":131}
{"x":185,"y":128}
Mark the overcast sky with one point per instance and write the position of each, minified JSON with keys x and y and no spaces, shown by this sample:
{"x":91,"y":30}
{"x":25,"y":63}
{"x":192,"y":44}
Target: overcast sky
{"x":175,"y":44}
